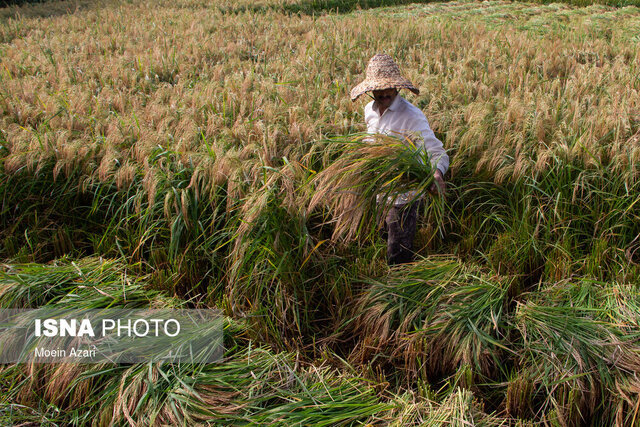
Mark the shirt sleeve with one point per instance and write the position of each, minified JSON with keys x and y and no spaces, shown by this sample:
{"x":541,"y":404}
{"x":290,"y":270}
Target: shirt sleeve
{"x":426,"y":140}
{"x":434,"y":147}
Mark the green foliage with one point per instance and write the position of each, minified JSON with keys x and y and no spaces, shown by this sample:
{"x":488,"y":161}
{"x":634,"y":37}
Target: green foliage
{"x":435,"y":318}
{"x":88,"y":283}
{"x":575,"y":351}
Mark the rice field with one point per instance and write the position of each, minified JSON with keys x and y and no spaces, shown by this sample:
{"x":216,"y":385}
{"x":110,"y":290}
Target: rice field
{"x":207,"y":154}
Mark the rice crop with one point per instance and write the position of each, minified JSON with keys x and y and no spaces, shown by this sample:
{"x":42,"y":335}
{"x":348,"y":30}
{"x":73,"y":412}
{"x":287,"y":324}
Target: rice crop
{"x":201,"y":154}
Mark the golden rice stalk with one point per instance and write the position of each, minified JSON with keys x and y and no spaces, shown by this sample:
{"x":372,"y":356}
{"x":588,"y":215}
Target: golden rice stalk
{"x":359,"y":171}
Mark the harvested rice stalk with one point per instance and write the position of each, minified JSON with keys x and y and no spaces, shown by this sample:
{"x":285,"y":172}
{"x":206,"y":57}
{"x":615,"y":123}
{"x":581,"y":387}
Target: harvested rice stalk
{"x":361,"y":169}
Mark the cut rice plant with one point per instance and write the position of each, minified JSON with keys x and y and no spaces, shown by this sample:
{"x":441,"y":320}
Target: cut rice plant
{"x":404,"y":297}
{"x":626,"y":402}
{"x":86,"y":283}
{"x":459,"y":409}
{"x":574,"y":353}
{"x":360,"y":174}
{"x":16,"y":414}
{"x":252,"y":385}
{"x":436,"y":317}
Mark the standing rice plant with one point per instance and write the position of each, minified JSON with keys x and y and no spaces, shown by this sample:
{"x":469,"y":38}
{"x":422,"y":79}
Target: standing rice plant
{"x":278,"y":276}
{"x":168,"y":219}
{"x":571,"y":215}
{"x":265,"y":279}
{"x":39,"y":216}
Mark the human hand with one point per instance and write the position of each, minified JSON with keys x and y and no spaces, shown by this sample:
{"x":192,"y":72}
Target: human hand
{"x":439,"y":186}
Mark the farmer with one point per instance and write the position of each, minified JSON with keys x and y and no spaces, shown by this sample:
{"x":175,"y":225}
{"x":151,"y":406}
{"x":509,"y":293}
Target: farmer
{"x":391,"y":114}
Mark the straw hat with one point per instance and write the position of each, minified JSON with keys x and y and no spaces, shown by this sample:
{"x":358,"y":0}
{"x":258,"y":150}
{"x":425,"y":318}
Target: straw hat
{"x":382,"y":73}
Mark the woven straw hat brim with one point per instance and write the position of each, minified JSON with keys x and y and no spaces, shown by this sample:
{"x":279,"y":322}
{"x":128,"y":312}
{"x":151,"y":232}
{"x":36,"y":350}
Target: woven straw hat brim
{"x":381,"y":84}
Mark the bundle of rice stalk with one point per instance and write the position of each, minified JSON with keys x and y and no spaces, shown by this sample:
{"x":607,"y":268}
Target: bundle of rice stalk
{"x":402,"y":300}
{"x":459,"y":408}
{"x":88,"y":283}
{"x":573,"y":353}
{"x":250,"y":386}
{"x":436,"y":317}
{"x":253,"y":386}
{"x":469,"y":328}
{"x":361,"y":169}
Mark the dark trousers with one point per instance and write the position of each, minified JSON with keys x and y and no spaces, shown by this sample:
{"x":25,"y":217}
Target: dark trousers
{"x":400,"y":225}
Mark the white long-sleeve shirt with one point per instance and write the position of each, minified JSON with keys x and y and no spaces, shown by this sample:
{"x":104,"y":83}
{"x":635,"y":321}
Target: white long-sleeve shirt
{"x":403,"y":119}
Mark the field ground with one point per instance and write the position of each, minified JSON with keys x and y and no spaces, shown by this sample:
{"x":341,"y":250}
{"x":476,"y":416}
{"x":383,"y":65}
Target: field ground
{"x":183,"y":153}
